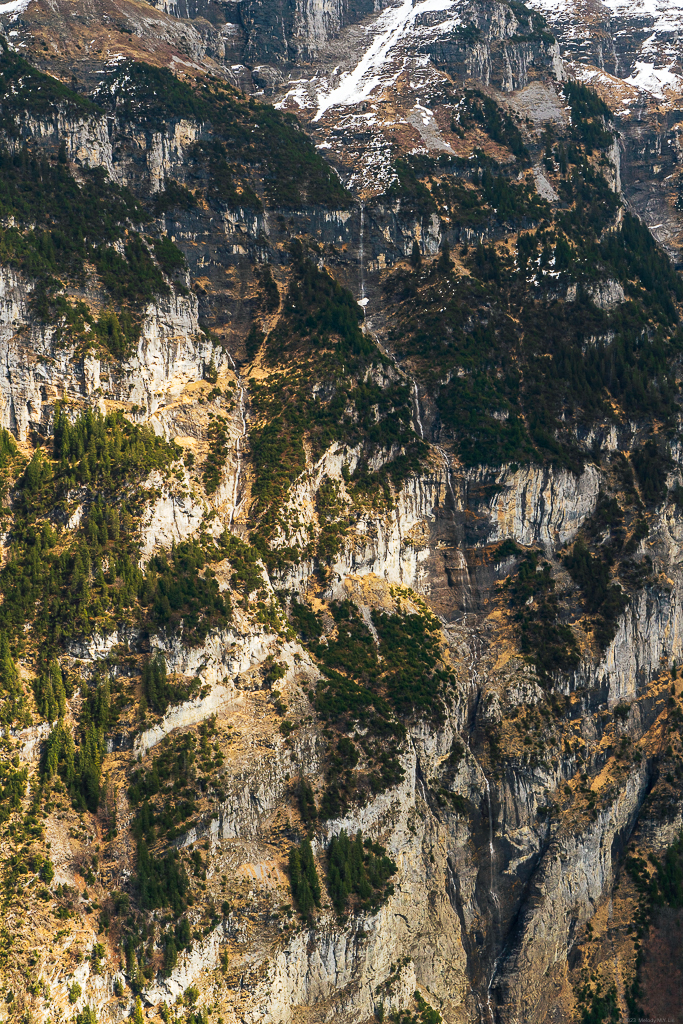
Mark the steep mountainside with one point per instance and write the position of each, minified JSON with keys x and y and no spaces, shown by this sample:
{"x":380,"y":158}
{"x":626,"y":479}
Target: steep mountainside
{"x":342,"y":519}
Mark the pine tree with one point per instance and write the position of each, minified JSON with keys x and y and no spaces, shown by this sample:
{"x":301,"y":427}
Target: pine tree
{"x":154,"y":684}
{"x":295,"y":876}
{"x":183,"y":934}
{"x":307,"y":806}
{"x":309,"y":871}
{"x":89,"y":768}
{"x":50,"y":693}
{"x":304,"y":880}
{"x":11,"y":690}
{"x":170,"y":955}
{"x":416,"y":256}
{"x":138,"y":1016}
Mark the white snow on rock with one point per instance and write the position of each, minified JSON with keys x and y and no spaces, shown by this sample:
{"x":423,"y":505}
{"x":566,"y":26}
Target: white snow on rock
{"x":391,"y":27}
{"x":654,"y":64}
{"x":668,"y":14}
{"x":656,"y":81}
{"x":14,"y":7}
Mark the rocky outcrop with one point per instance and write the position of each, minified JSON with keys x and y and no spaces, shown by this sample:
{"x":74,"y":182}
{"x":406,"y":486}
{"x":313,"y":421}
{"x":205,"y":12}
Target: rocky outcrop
{"x":492,"y":884}
{"x":500,"y":48}
{"x":36,"y":370}
{"x":180,"y":717}
{"x":651,"y":632}
{"x":535,"y":505}
{"x":172,"y":518}
{"x":85,"y":137}
{"x":575,"y":871}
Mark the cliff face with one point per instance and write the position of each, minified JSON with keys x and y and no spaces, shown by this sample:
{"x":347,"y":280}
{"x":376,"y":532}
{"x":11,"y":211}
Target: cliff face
{"x":633,"y":58}
{"x":316,"y":528}
{"x":512,"y":49}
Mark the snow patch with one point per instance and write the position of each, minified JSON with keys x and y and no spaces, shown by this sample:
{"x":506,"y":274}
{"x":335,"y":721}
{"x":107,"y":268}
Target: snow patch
{"x":656,"y":81}
{"x":14,"y":7}
{"x":668,"y":14}
{"x":391,"y":27}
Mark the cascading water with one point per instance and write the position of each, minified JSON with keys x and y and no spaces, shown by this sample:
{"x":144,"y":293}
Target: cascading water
{"x":418,"y":417}
{"x":492,"y":887}
{"x":238,"y":471}
{"x":447,"y":464}
{"x":489,"y":1005}
{"x":493,"y":894}
{"x":414,"y":388}
{"x":362,"y":301}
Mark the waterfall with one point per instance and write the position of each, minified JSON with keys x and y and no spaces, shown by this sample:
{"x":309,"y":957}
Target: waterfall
{"x":361,"y":255}
{"x":418,"y":418}
{"x":238,"y":471}
{"x":447,"y":464}
{"x":492,"y":1015}
{"x":414,"y":389}
{"x":492,"y":886}
{"x":493,"y":894}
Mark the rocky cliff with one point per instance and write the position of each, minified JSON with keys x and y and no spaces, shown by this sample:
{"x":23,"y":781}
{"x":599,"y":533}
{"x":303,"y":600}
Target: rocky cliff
{"x":342,"y":510}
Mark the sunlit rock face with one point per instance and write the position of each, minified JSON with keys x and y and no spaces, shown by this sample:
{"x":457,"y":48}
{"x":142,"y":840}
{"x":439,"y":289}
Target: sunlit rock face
{"x":379,"y":565}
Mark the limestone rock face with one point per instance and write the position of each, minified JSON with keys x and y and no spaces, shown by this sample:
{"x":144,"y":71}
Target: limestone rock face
{"x":37,"y":370}
{"x":575,"y":870}
{"x":502,"y":57}
{"x":516,"y":798}
{"x":536,"y":506}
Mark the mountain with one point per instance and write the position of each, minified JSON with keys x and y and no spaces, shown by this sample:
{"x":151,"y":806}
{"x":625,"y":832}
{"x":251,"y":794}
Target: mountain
{"x":342,"y":512}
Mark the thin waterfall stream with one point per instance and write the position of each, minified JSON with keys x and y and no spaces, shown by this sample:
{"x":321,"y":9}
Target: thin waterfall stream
{"x":238,"y":472}
{"x":492,"y":886}
{"x":447,"y":463}
{"x":362,"y":301}
{"x":492,"y":893}
{"x":418,"y":416}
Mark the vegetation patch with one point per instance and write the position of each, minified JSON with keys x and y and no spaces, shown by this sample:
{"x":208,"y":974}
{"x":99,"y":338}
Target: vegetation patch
{"x":369,"y":687}
{"x":318,"y":337}
{"x":358,"y":874}
{"x":257,"y":155}
{"x":545,"y":639}
{"x":217,"y":435}
{"x":158,"y":691}
{"x":167,"y":791}
{"x":303,"y":878}
{"x":603,"y":599}
{"x":423,"y":1013}
{"x":518,"y":370}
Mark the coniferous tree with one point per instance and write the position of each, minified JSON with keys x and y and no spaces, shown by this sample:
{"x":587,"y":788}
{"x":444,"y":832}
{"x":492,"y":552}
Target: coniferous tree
{"x":170,"y":955}
{"x":138,"y":1016}
{"x":50,"y":692}
{"x":154,"y":684}
{"x":304,"y":880}
{"x":309,"y":871}
{"x":60,"y":755}
{"x":13,"y":708}
{"x":89,"y":769}
{"x":353,"y":870}
{"x":307,"y":806}
{"x":183,"y":934}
